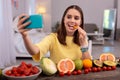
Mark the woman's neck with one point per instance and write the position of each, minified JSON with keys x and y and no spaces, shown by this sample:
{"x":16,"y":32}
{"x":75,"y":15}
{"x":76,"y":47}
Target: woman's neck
{"x":70,"y":34}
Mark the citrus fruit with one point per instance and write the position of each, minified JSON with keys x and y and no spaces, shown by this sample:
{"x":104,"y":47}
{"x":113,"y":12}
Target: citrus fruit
{"x":65,"y":65}
{"x":110,"y":57}
{"x":107,"y":56}
{"x":103,"y":57}
{"x":78,"y":64}
{"x":75,"y":27}
{"x":87,"y":63}
{"x":48,"y":66}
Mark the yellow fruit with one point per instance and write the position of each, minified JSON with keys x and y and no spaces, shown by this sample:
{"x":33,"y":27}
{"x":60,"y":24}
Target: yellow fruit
{"x":87,"y":63}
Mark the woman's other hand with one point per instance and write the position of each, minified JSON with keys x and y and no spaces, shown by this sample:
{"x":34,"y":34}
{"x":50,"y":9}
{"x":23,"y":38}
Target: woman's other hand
{"x":83,"y":37}
{"x":21,"y":25}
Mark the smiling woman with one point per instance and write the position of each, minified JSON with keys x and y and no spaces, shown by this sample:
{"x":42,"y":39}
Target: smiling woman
{"x":7,"y":54}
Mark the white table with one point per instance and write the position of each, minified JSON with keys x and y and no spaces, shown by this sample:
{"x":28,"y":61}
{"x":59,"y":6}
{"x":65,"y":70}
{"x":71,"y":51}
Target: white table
{"x":98,"y":38}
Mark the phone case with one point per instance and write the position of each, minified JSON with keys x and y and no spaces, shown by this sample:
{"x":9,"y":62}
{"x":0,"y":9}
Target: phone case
{"x":36,"y":21}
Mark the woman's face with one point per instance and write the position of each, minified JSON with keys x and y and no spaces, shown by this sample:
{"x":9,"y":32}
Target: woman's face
{"x":72,"y":18}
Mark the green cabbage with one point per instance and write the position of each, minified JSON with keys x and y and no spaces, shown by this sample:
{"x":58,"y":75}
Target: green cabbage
{"x":48,"y":66}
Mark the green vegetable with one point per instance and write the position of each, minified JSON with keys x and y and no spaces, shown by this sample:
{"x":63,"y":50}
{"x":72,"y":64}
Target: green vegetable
{"x":48,"y":66}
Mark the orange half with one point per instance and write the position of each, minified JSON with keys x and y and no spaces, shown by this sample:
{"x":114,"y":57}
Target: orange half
{"x":110,"y":57}
{"x":65,"y":65}
{"x":103,"y":57}
{"x":75,"y":27}
{"x":107,"y":56}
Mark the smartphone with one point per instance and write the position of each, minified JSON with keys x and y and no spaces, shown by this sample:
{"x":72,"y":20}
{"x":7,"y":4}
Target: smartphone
{"x":36,"y":21}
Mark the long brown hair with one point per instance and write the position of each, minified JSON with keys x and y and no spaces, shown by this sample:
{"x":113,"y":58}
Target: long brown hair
{"x":61,"y":32}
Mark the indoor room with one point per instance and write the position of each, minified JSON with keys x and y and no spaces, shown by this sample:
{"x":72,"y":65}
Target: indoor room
{"x":101,"y":24}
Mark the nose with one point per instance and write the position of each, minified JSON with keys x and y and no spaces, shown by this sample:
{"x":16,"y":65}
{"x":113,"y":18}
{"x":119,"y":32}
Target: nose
{"x":72,"y":19}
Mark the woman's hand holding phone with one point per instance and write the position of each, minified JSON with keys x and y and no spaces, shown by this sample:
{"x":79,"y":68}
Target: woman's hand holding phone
{"x":22,"y":24}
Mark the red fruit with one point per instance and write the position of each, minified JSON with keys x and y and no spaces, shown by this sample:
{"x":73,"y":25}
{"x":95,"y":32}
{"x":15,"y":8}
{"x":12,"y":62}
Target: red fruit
{"x":79,"y":71}
{"x":17,"y":74}
{"x":61,"y":74}
{"x":14,"y":69}
{"x":89,"y":69}
{"x":104,"y":68}
{"x":20,"y":70}
{"x":94,"y":69}
{"x":29,"y":65}
{"x":86,"y":71}
{"x":8,"y":72}
{"x":23,"y":63}
{"x":109,"y":68}
{"x":34,"y":70}
{"x":99,"y":69}
{"x":69,"y":73}
{"x":74,"y":72}
{"x":12,"y":75}
{"x":22,"y":75}
{"x":113,"y":67}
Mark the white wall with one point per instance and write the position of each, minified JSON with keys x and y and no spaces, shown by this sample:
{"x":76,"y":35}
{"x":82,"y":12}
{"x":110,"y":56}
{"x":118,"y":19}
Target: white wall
{"x":118,"y":15}
{"x":93,"y":9}
{"x":21,"y":8}
{"x":25,"y":5}
{"x":47,"y":15}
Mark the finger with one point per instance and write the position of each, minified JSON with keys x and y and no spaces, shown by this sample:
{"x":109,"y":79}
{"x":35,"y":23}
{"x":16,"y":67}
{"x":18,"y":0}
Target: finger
{"x":22,"y":18}
{"x":81,"y":30}
{"x":24,"y":25}
{"x":22,"y":15}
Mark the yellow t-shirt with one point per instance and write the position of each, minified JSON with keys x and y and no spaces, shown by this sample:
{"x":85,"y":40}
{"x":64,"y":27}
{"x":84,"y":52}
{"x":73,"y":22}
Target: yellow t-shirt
{"x":57,"y":50}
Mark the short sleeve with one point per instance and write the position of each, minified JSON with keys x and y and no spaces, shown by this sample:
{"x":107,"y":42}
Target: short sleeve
{"x":44,"y":47}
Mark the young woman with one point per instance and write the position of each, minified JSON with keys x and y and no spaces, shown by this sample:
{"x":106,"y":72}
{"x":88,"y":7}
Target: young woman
{"x":70,"y":40}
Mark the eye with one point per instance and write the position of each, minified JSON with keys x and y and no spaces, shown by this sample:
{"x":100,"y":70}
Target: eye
{"x":76,"y":17}
{"x":69,"y":16}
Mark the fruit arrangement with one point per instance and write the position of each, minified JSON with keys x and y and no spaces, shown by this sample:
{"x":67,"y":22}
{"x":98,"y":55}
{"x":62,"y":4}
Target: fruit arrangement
{"x":106,"y":62}
{"x":22,"y":70}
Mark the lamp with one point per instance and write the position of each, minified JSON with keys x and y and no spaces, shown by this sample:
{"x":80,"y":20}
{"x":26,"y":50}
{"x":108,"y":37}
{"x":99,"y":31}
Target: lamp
{"x":41,"y":10}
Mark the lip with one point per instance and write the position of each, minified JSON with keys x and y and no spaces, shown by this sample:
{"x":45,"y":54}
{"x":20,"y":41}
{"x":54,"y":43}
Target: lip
{"x":70,"y":27}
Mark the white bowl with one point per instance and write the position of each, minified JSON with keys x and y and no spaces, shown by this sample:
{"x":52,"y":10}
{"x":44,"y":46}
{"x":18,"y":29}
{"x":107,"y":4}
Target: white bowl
{"x":31,"y":77}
